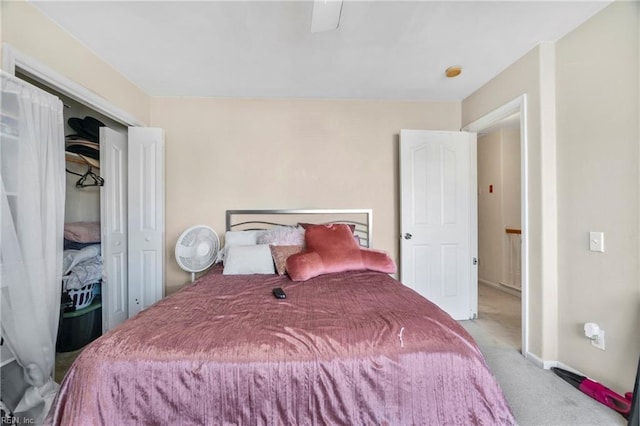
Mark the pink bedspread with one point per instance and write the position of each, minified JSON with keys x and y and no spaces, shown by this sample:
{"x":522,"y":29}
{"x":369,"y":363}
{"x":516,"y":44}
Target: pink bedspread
{"x":350,"y":348}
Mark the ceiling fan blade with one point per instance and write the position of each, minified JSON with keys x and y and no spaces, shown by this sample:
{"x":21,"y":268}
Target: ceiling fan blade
{"x":326,"y":15}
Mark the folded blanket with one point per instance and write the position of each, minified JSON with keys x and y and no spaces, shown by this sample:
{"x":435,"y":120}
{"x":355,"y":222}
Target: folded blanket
{"x":70,"y":258}
{"x":84,"y":273}
{"x":74,"y":245}
{"x":82,"y":232}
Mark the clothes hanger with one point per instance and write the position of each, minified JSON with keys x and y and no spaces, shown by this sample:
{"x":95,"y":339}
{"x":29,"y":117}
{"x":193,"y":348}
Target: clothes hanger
{"x":73,"y":173}
{"x":88,"y":179}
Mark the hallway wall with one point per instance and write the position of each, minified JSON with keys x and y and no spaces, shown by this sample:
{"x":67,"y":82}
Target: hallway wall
{"x":499,"y":172}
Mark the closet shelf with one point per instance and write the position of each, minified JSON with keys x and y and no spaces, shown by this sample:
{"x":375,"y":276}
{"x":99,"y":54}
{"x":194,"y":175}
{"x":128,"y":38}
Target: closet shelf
{"x":78,"y":161}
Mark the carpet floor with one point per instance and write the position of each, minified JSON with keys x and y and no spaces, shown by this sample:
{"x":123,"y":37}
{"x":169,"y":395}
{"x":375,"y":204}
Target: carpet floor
{"x":537,"y":397}
{"x":63,"y":363}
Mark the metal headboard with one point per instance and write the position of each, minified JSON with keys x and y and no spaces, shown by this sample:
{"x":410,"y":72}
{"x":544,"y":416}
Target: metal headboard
{"x":264,"y":219}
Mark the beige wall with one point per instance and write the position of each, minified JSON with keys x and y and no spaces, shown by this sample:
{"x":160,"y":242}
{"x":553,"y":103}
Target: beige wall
{"x":29,"y":31}
{"x":583,"y":174}
{"x":490,"y":228}
{"x":524,"y":77}
{"x":498,"y":165}
{"x":598,"y":172}
{"x":251,"y":154}
{"x":511,"y":181}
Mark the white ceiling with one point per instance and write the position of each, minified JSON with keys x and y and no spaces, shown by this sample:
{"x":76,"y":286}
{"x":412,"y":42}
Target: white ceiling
{"x":381,"y":50}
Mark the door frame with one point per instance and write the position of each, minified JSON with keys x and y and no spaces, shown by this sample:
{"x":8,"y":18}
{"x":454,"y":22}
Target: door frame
{"x":13,"y":59}
{"x":516,"y":106}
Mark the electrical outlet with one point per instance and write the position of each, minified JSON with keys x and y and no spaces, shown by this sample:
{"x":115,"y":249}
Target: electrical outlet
{"x":599,"y":341}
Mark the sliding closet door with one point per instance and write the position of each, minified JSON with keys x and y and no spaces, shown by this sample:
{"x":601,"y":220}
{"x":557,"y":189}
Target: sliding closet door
{"x":113,"y":221}
{"x":146,"y":217}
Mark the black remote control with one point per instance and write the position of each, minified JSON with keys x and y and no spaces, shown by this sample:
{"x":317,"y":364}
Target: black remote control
{"x":279,"y":293}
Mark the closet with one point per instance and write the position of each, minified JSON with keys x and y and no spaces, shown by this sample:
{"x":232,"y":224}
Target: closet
{"x":124,"y":194}
{"x":81,"y":283}
{"x":83,"y":213}
{"x":129,"y":209}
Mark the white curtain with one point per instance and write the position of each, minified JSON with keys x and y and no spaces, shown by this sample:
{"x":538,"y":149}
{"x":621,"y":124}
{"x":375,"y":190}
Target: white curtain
{"x":32,"y":169}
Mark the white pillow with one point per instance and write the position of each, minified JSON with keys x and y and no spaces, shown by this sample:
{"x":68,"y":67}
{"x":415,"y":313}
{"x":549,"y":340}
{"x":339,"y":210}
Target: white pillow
{"x":242,"y":238}
{"x":245,"y":260}
{"x":283,"y":236}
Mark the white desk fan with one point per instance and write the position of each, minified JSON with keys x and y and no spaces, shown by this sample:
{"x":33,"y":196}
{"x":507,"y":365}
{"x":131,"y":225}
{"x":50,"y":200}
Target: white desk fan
{"x":196,"y":249}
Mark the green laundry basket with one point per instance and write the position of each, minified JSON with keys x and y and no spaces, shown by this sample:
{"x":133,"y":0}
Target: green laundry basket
{"x":80,"y":327}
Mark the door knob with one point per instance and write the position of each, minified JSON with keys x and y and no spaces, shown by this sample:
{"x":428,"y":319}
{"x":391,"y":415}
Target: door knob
{"x":408,"y":236}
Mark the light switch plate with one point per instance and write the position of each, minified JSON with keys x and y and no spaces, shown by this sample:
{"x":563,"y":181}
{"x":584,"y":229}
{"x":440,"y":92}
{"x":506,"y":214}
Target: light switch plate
{"x":596,"y":241}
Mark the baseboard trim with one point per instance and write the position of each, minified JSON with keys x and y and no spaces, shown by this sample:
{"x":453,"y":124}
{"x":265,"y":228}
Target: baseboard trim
{"x":511,"y":287}
{"x":539,"y":362}
{"x":547,"y":365}
{"x":568,"y":368}
{"x":489,"y":283}
{"x":501,"y":287}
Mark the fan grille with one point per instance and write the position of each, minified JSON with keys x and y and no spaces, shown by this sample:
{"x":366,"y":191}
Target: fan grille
{"x":197,"y":248}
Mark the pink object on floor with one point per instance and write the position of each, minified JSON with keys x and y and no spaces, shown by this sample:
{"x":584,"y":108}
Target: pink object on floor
{"x":606,"y":396}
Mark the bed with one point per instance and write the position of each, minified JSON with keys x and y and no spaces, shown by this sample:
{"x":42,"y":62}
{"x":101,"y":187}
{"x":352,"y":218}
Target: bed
{"x":353,"y":347}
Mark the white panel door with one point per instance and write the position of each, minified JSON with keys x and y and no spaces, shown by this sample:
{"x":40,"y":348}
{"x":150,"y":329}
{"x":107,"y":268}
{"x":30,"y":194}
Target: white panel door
{"x":113,"y":220}
{"x":146,"y":217}
{"x":438,"y":218}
